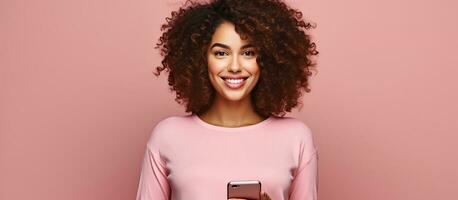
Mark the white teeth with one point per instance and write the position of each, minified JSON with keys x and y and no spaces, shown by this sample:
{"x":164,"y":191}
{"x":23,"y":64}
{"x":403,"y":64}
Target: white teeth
{"x":234,"y":81}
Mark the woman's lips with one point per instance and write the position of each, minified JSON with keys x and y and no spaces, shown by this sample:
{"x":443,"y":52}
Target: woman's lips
{"x":234,"y":83}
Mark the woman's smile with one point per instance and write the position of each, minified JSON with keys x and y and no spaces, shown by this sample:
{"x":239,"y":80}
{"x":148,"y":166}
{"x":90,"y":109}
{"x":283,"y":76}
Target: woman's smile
{"x":234,"y":83}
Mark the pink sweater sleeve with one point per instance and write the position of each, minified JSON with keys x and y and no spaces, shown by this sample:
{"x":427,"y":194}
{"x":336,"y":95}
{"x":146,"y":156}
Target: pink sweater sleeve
{"x":304,"y":184}
{"x":153,"y":183}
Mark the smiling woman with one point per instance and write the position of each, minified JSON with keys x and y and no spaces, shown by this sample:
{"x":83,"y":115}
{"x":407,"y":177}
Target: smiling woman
{"x":239,"y":66}
{"x":276,"y":33}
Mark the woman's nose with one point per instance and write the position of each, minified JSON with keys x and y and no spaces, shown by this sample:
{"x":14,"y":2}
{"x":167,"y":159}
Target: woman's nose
{"x":235,"y":64}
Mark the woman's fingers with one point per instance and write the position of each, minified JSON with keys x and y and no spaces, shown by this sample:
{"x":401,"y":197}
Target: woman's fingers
{"x":265,"y":196}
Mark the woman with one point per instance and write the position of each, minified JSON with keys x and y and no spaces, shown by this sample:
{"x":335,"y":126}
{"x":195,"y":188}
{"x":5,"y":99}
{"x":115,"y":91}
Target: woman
{"x":238,"y":65}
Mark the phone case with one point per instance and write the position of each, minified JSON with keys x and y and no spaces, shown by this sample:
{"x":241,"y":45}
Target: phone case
{"x":245,"y":189}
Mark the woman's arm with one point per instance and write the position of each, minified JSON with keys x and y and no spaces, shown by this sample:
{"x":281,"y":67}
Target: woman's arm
{"x":153,"y":184}
{"x":305,"y":182}
{"x":304,"y":185}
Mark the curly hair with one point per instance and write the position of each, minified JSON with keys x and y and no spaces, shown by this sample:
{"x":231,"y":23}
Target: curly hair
{"x":276,"y":31}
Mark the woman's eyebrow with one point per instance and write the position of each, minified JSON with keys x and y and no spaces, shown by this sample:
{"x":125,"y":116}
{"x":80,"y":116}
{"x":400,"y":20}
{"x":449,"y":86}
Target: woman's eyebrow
{"x":227,"y":47}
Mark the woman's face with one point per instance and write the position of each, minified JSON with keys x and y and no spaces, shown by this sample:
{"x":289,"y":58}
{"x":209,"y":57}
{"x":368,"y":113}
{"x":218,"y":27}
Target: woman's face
{"x":232,"y":66}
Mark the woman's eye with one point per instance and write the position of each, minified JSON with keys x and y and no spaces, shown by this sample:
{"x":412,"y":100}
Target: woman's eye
{"x":222,"y":53}
{"x":252,"y":53}
{"x":219,"y":53}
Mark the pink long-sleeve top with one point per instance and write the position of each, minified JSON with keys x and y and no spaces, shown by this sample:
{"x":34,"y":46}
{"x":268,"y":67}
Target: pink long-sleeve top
{"x":187,"y":158}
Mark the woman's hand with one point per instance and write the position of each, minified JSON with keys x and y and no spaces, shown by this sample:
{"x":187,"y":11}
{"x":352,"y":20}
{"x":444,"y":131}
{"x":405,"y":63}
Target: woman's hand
{"x":264,"y":196}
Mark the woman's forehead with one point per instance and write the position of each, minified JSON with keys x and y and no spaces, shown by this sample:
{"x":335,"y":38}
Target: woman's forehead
{"x":225,"y":36}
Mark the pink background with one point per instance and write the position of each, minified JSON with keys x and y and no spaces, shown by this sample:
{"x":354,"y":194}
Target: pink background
{"x":78,"y":99}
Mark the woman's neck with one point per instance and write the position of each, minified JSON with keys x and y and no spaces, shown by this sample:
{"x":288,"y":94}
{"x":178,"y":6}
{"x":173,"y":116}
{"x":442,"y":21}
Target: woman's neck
{"x":231,"y":113}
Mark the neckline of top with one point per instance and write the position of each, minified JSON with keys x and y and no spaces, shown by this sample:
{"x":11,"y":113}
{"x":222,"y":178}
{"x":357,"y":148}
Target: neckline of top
{"x":231,"y":129}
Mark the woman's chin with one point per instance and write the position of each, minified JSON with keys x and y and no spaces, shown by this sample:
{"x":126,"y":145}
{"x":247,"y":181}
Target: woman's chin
{"x":234,"y":95}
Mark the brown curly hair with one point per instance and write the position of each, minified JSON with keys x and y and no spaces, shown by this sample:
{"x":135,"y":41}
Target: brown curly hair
{"x":277,"y":32}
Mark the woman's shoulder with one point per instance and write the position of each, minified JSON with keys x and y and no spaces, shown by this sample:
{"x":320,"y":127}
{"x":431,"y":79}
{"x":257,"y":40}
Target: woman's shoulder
{"x":292,"y":123}
{"x":169,"y":121}
{"x":298,"y":132}
{"x":167,"y":127}
{"x":294,"y":126}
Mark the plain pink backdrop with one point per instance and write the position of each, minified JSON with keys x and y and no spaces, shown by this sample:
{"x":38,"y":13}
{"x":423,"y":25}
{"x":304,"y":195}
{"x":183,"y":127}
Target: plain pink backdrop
{"x":78,"y":99}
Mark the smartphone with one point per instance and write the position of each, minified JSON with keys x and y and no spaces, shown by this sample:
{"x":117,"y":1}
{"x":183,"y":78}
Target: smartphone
{"x":244,"y":189}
